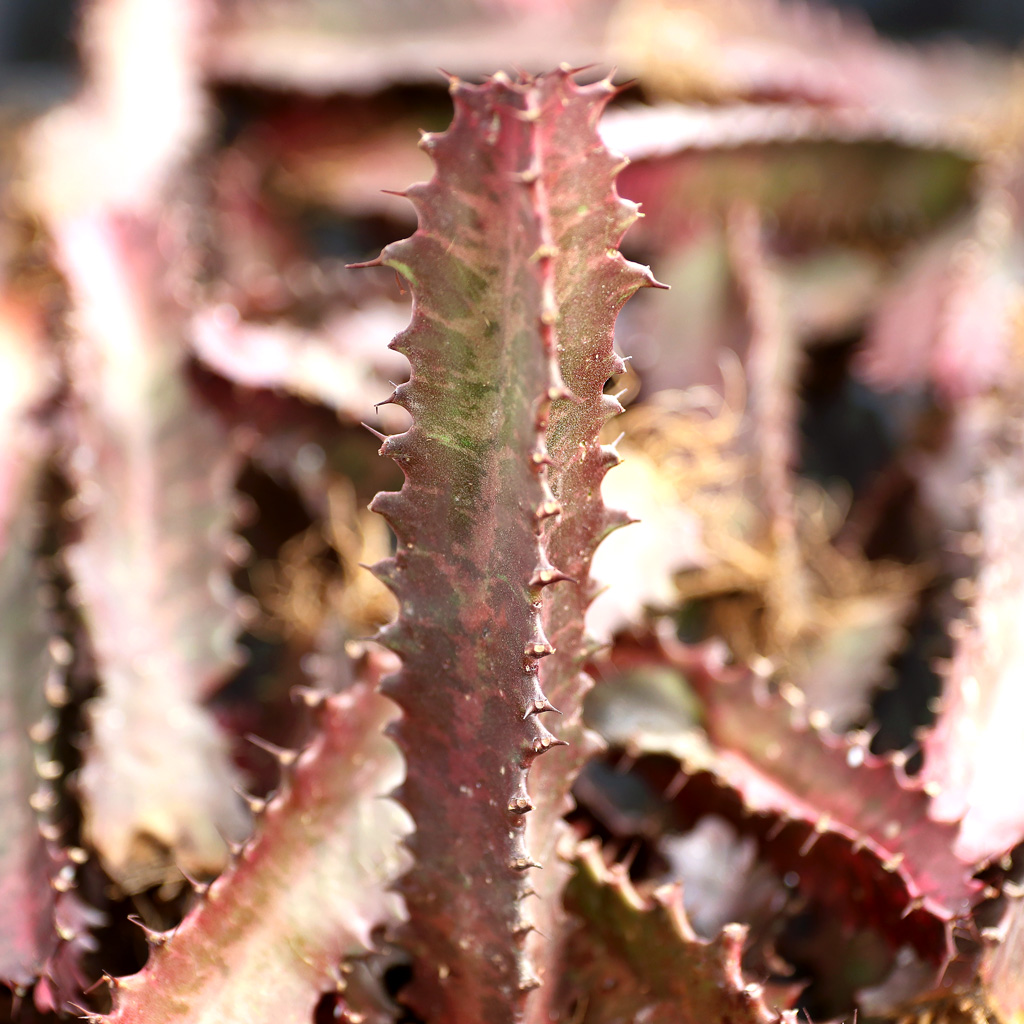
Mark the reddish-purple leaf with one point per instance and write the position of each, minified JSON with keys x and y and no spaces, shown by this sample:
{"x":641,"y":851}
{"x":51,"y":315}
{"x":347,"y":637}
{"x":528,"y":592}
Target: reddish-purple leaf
{"x":974,"y":752}
{"x":154,"y":474}
{"x":780,"y":758}
{"x":637,"y":959}
{"x":270,"y":934}
{"x":46,"y":928}
{"x":516,"y":282}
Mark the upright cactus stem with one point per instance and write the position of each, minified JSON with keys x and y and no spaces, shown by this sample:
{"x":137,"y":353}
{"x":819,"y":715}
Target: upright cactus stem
{"x":516,"y":281}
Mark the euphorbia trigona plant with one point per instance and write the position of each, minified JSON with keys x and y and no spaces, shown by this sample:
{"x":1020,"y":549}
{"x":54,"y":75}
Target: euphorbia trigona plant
{"x":487,"y":897}
{"x":517,"y":281}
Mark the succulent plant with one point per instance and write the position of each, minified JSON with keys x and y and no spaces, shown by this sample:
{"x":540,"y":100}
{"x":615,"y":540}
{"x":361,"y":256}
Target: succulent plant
{"x":581,"y":774}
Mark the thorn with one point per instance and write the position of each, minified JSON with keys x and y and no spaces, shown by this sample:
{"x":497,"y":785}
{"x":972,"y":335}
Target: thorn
{"x":44,"y":730}
{"x":569,"y":71}
{"x":538,"y":650}
{"x":539,"y":705}
{"x":154,"y":938}
{"x":542,"y":744}
{"x":378,"y":262}
{"x":527,"y":177}
{"x":104,"y":977}
{"x":376,"y":433}
{"x":912,"y":905}
{"x":85,"y":1014}
{"x":545,"y":251}
{"x":546,"y":509}
{"x":520,"y":805}
{"x":64,"y":880}
{"x":283,"y":756}
{"x":256,"y":804}
{"x":546,"y":575}
{"x":55,"y":691}
{"x":523,"y":863}
{"x":893,"y":862}
{"x":309,"y":696}
{"x":50,"y":831}
{"x":199,"y":888}
{"x":42,"y":800}
{"x":393,"y":192}
{"x":392,"y":399}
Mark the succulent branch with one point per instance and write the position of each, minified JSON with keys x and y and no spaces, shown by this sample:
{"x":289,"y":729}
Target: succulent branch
{"x":516,"y":283}
{"x":826,"y":454}
{"x":47,"y":930}
{"x":270,"y":934}
{"x":637,"y":958}
{"x":149,"y":568}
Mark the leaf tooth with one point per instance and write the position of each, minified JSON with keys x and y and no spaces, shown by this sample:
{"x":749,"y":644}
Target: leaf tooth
{"x":609,"y":455}
{"x":428,"y":143}
{"x":43,"y":799}
{"x":610,"y":407}
{"x":522,"y":929}
{"x":49,"y":830}
{"x":394,"y":507}
{"x":528,"y":981}
{"x":395,"y":637}
{"x":538,"y":646}
{"x":256,"y":804}
{"x":199,"y":888}
{"x":284,"y":757}
{"x":392,"y":688}
{"x":547,"y":509}
{"x":309,"y":695}
{"x":523,"y":863}
{"x":43,"y":731}
{"x":153,"y":937}
{"x":544,"y":740}
{"x":387,"y":571}
{"x":399,"y":397}
{"x":399,"y":793}
{"x":47,"y":769}
{"x":545,"y":574}
{"x":539,"y":705}
{"x":56,"y":691}
{"x":615,"y":519}
{"x":64,"y":879}
{"x":539,"y":458}
{"x":520,"y":802}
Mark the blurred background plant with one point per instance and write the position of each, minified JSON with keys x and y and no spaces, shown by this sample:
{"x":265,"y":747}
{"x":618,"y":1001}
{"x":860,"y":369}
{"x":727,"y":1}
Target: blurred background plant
{"x":822,"y":442}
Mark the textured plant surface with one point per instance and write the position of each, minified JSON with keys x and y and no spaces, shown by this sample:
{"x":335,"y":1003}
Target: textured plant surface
{"x":515,"y":276}
{"x":752,"y":759}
